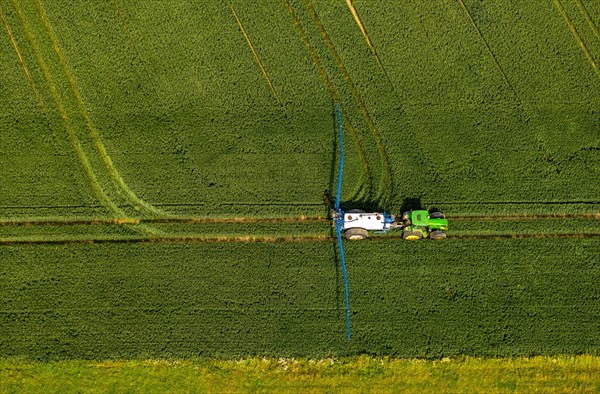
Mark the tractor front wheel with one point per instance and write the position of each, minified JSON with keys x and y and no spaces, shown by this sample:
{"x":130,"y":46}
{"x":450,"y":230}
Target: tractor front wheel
{"x":438,"y":235}
{"x":412,"y":235}
{"x":356,"y":234}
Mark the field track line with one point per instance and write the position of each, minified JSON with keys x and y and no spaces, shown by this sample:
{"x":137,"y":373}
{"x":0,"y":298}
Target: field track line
{"x":576,"y":35}
{"x":386,"y":180}
{"x":270,"y":220}
{"x":370,"y":45}
{"x":89,"y":172}
{"x":174,"y":220}
{"x":38,"y":99}
{"x":323,"y":74}
{"x":137,"y":202}
{"x":270,"y":239}
{"x":127,"y":30}
{"x":489,"y":49}
{"x":364,"y":33}
{"x":588,"y":18}
{"x":256,"y":57}
{"x":168,"y":239}
{"x":66,"y":120}
{"x":594,"y":216}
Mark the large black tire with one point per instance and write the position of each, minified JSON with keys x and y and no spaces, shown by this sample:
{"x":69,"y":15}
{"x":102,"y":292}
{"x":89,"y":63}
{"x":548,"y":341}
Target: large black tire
{"x":437,"y":235}
{"x":436,"y":215}
{"x":356,"y":234}
{"x":406,"y":218}
{"x":412,"y":235}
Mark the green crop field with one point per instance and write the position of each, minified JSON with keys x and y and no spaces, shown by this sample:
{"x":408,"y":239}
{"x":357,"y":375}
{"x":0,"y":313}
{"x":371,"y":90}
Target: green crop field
{"x":163,"y":165}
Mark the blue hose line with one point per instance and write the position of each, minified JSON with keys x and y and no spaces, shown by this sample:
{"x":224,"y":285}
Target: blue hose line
{"x":338,"y":226}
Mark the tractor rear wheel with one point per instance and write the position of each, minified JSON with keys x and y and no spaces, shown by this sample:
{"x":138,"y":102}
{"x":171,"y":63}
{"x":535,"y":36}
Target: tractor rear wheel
{"x":356,"y":234}
{"x":437,"y":235}
{"x":406,"y":218}
{"x":436,"y":215}
{"x":412,"y":235}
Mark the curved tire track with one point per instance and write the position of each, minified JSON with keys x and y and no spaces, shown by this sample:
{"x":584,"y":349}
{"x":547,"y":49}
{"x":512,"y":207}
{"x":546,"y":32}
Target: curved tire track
{"x":386,"y":184}
{"x":118,"y":181}
{"x":362,"y":188}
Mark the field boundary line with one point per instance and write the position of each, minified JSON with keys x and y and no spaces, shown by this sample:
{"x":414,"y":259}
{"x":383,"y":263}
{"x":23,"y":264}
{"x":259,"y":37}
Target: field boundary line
{"x":576,"y":35}
{"x":489,"y":49}
{"x":38,"y":98}
{"x":588,"y":18}
{"x":323,"y":74}
{"x":272,"y":239}
{"x":386,"y":180}
{"x":137,"y":202}
{"x":256,"y":57}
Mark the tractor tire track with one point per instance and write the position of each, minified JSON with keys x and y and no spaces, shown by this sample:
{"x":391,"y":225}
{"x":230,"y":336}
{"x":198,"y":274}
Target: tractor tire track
{"x":38,"y":98}
{"x":588,"y":18}
{"x":371,"y":46}
{"x":174,"y":220}
{"x":576,"y":35}
{"x":365,"y":35}
{"x":67,"y":124}
{"x":271,"y":220}
{"x":254,"y":53}
{"x":102,"y":196}
{"x":593,"y":216}
{"x":362,"y":189}
{"x":489,"y":49}
{"x":164,"y":240}
{"x":501,"y":236}
{"x":127,"y":31}
{"x":386,"y":184}
{"x":271,"y":239}
{"x":120,"y":184}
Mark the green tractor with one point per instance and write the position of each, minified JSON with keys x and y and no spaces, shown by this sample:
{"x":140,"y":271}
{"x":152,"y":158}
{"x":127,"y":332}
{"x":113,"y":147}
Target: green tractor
{"x":422,"y":224}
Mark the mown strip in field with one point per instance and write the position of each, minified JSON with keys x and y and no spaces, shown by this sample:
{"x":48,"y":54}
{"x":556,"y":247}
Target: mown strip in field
{"x":277,"y":229}
{"x":425,"y":299}
{"x":556,"y":374}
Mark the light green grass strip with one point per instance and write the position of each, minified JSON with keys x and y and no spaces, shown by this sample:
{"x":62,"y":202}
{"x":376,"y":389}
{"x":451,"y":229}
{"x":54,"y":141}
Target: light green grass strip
{"x":561,"y":374}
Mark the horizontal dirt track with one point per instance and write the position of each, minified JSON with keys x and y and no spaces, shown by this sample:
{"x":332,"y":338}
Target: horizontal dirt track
{"x":266,"y":239}
{"x":298,"y":219}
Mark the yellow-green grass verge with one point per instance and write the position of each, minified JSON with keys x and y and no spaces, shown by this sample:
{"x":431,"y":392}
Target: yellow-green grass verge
{"x":560,"y":374}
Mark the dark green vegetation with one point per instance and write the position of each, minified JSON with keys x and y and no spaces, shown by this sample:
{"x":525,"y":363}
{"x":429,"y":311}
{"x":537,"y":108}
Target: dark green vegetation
{"x":132,"y":121}
{"x":424,"y":299}
{"x":497,"y":106}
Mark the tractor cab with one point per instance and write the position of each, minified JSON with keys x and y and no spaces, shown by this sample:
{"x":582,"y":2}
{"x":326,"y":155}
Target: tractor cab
{"x":422,"y":224}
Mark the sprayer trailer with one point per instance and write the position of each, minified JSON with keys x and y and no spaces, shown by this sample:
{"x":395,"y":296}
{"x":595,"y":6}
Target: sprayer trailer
{"x":357,"y":223}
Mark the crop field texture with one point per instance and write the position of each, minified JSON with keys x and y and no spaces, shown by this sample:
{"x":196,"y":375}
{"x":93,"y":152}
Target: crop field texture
{"x":163,"y":164}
